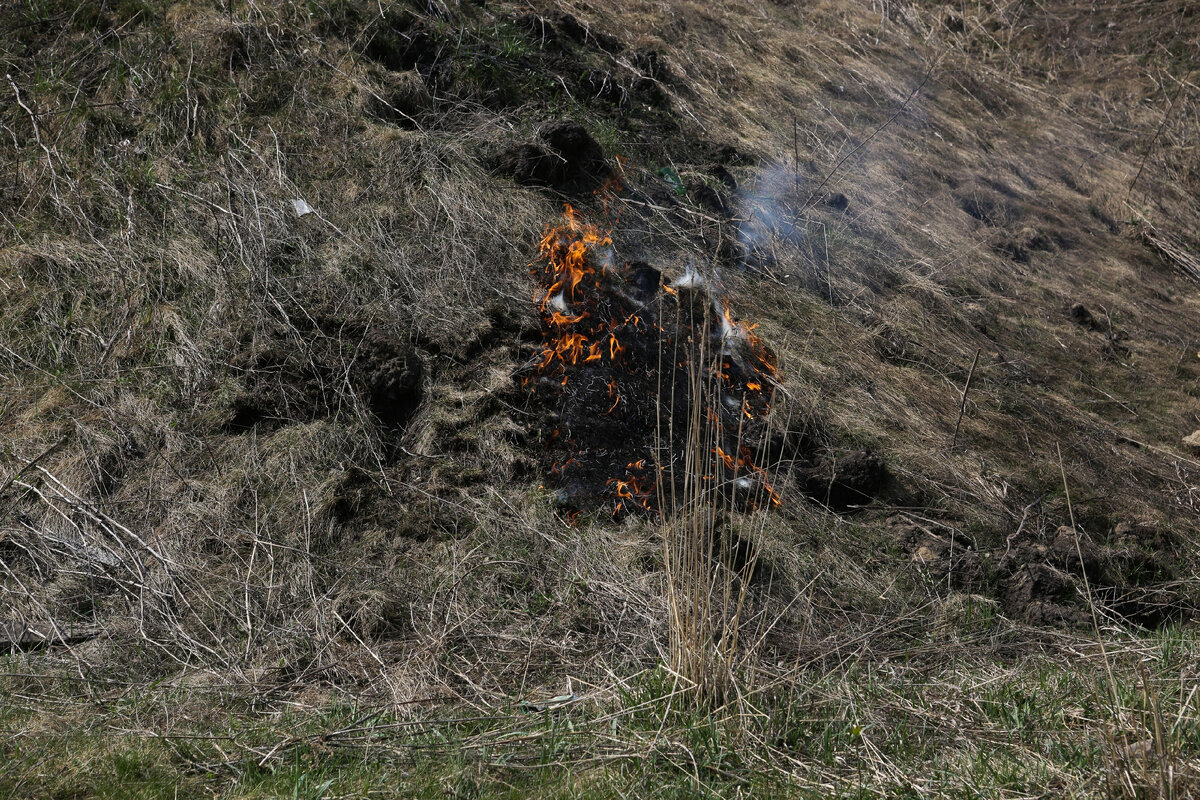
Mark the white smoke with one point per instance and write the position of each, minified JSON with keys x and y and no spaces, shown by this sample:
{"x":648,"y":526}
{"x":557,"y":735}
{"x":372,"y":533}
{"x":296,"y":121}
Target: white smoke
{"x":558,"y":303}
{"x":766,"y":216}
{"x":690,"y":279}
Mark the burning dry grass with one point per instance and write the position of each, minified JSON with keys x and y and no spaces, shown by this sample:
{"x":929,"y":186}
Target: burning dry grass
{"x":690,"y":389}
{"x":617,"y":377}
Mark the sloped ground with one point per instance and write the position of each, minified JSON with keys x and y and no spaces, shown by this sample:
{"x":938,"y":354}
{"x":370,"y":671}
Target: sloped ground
{"x":276,"y":462}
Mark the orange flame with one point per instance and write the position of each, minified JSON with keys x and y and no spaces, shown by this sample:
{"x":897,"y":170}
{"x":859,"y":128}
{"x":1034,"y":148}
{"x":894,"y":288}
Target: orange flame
{"x":745,"y":460}
{"x":565,"y":250}
{"x":560,"y":319}
{"x":630,"y":489}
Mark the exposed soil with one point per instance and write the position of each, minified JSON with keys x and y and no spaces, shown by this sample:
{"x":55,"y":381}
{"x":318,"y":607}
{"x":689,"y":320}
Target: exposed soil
{"x":1045,"y":579}
{"x":565,"y":158}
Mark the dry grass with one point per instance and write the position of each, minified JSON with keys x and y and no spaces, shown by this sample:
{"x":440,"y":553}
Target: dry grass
{"x":155,"y":282}
{"x":708,"y":566}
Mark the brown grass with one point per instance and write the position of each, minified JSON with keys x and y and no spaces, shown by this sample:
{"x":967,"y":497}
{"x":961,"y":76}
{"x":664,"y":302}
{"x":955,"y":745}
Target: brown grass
{"x":152,"y":270}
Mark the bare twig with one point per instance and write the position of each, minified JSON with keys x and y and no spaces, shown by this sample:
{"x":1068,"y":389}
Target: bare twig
{"x":1154,"y":140}
{"x":1114,"y":698}
{"x":962,"y":409}
{"x":812,"y":197}
{"x":32,"y":463}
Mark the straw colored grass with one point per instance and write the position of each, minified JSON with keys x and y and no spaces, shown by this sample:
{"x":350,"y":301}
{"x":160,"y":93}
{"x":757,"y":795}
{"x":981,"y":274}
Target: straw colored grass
{"x":252,"y":585}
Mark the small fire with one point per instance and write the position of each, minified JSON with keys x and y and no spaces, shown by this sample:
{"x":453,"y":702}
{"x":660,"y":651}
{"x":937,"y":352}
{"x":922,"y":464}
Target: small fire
{"x":612,"y":392}
{"x":558,"y":318}
{"x":620,"y":408}
{"x":631,"y":492}
{"x":744,"y":462}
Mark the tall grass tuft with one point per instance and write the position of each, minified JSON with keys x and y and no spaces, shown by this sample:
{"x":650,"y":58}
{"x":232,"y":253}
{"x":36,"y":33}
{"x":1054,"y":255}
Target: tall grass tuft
{"x":707,"y":577}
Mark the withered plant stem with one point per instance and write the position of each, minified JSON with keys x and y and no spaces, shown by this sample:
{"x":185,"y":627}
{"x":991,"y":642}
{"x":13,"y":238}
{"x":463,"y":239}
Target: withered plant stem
{"x":33,"y":462}
{"x":707,"y":588}
{"x":1112,"y":682}
{"x":962,"y":408}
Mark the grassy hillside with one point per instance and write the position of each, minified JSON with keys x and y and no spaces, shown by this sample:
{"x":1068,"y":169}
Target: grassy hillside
{"x":283,"y":512}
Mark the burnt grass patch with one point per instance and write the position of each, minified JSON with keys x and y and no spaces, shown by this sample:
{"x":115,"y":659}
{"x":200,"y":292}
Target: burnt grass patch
{"x":633,"y":372}
{"x":631,"y":360}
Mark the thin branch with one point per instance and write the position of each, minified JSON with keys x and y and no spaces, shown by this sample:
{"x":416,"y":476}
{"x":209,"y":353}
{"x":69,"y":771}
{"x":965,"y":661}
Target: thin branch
{"x":32,"y":463}
{"x":962,"y":409}
{"x":812,"y":197}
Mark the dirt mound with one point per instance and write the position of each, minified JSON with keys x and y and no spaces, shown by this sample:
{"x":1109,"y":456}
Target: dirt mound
{"x":843,"y":482}
{"x":1040,"y":578}
{"x":579,"y":33}
{"x":401,"y":42}
{"x":565,"y":158}
{"x":1040,"y":594}
{"x":389,"y":373}
{"x":279,"y":383}
{"x":991,"y":203}
{"x":404,"y":99}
